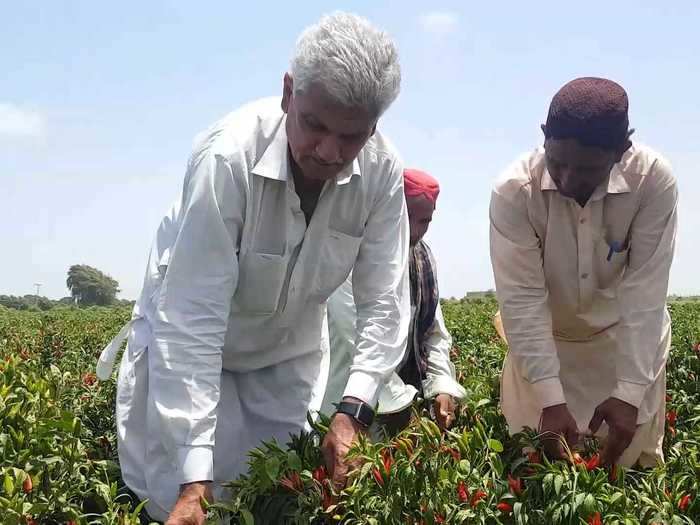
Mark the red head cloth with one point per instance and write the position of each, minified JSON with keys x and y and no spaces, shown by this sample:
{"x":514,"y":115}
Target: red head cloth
{"x":416,"y":182}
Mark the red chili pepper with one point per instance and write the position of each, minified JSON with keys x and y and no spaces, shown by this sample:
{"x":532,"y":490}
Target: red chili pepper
{"x":327,"y":499}
{"x":89,"y":379}
{"x":320,"y":474}
{"x":387,"y":460}
{"x":378,"y":477}
{"x":27,"y":485}
{"x":671,"y":418}
{"x":534,"y":457}
{"x":293,"y":482}
{"x":684,"y":502}
{"x":452,"y":452}
{"x":593,"y":462}
{"x":515,"y":485}
{"x":504,"y":507}
{"x":462,"y":492}
{"x":595,"y":519}
{"x":477,"y":497}
{"x":439,"y":519}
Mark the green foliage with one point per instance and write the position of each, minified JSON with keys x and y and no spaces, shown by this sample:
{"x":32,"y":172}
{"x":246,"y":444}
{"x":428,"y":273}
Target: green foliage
{"x":89,"y":286}
{"x":57,"y":429}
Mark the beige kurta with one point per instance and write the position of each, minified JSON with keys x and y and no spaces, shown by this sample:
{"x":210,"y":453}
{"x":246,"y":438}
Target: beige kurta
{"x":582,"y":290}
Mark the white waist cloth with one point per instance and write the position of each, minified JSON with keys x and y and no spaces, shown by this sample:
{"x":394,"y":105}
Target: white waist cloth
{"x":588,"y":377}
{"x":255,"y":406}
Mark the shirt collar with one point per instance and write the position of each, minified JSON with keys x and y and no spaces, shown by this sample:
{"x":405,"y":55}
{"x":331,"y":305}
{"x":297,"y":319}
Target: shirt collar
{"x":274,"y":163}
{"x":347,"y":172}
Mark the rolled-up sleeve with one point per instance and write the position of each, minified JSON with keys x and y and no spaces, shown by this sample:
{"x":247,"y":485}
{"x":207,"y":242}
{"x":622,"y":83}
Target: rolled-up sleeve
{"x":381,"y":291}
{"x":440,"y":376}
{"x":517,"y":261}
{"x":644,"y":287}
{"x":191,"y":316}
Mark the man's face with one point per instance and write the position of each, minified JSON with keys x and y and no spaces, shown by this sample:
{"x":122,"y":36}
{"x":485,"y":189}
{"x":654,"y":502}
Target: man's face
{"x":324,"y":137}
{"x":578,"y":170}
{"x":420,"y":213}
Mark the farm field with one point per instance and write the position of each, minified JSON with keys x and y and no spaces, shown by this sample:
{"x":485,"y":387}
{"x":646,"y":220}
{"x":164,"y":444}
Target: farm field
{"x":58,"y":461}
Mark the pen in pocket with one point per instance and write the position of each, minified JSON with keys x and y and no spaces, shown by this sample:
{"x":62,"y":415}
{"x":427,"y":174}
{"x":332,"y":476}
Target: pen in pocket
{"x":615,"y":247}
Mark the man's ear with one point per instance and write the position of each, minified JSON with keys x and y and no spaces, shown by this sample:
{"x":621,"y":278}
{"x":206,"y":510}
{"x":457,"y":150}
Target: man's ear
{"x":627,"y":144}
{"x":287,"y":91}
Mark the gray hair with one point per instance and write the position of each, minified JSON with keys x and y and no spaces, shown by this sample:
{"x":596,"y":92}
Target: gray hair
{"x":356,"y":64}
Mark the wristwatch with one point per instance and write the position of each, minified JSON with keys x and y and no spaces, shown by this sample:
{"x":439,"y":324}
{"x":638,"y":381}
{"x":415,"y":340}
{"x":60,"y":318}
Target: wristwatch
{"x":358,"y":410}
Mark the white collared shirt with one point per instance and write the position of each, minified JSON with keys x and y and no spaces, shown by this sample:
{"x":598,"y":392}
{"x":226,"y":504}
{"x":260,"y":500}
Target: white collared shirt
{"x":571,"y":273}
{"x":247,"y":280}
{"x":395,"y":395}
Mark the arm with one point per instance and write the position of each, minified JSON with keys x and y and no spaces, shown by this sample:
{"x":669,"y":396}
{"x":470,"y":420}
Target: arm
{"x":381,"y":291}
{"x":441,"y":378}
{"x":516,"y":257}
{"x":191,"y":316}
{"x":644,"y":287}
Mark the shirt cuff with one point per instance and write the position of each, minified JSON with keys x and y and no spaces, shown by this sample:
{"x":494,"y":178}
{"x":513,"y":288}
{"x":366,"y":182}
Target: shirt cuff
{"x":195,"y":463}
{"x":632,"y":393}
{"x":434,"y":386}
{"x":364,"y":386}
{"x":549,"y":392}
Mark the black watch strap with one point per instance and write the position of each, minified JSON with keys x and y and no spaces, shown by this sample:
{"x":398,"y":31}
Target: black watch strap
{"x":358,"y":410}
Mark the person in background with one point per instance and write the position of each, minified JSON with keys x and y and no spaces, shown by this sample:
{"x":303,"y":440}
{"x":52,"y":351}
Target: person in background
{"x":425,"y":369}
{"x":281,"y":199}
{"x":582,"y":239}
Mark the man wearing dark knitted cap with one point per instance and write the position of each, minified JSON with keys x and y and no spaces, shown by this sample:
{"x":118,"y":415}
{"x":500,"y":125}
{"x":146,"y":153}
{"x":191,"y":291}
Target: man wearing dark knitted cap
{"x":582,"y":238}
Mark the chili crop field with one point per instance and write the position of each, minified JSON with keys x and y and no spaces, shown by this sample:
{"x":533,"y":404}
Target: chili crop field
{"x":58,"y":462}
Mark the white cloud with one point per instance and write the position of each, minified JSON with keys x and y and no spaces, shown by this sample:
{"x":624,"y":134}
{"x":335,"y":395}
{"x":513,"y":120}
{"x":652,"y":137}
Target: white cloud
{"x":439,"y":22}
{"x":20,"y":122}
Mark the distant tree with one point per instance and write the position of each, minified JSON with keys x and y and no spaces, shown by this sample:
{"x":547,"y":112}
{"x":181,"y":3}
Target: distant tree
{"x":89,"y":286}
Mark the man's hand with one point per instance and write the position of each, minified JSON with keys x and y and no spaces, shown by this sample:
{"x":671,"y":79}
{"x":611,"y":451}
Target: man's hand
{"x":621,"y":418}
{"x":340,"y":437}
{"x":557,"y":423}
{"x":444,"y":406}
{"x":188,"y":508}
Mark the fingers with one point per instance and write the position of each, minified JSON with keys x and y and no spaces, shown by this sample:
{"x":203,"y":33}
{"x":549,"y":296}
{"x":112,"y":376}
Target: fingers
{"x":572,"y":435}
{"x":554,"y":447}
{"x":340,"y":476}
{"x":328,"y":456}
{"x":597,"y":420}
{"x":618,"y":441}
{"x":444,"y":407}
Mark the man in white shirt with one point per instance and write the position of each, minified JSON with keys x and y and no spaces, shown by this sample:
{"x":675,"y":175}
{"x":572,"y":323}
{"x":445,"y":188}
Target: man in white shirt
{"x":582,"y":237}
{"x":281,"y":199}
{"x":425,"y":369}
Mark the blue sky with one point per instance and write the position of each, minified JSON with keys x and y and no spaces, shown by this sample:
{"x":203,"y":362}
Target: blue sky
{"x":99,"y":103}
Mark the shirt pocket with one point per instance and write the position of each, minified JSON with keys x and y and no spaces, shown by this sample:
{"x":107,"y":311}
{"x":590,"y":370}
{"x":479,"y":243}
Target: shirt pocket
{"x":337,"y":257}
{"x":260,"y":281}
{"x":611,"y":263}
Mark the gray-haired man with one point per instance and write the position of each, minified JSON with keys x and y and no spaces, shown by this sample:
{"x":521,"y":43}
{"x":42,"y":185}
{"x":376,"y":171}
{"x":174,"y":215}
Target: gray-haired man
{"x":280,"y":201}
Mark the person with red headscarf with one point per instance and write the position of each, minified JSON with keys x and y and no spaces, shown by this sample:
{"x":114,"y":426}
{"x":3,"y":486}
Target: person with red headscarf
{"x":426,"y":370}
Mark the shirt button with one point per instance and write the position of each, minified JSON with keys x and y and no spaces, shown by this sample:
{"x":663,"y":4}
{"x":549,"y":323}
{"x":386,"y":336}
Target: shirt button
{"x":582,"y":221}
{"x":584,"y":276}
